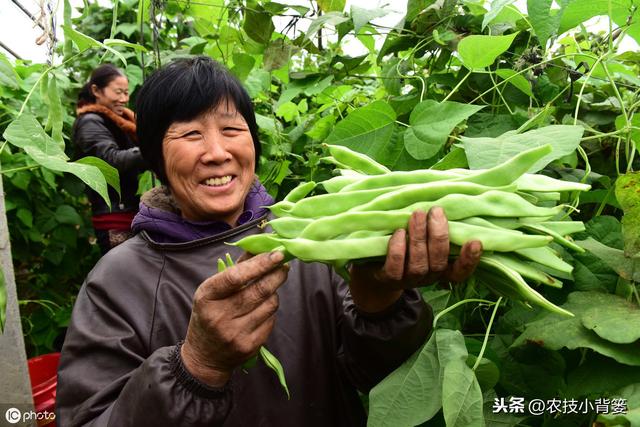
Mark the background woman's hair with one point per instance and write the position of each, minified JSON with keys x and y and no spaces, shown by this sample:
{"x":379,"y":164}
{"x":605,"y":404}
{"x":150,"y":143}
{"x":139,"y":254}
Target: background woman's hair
{"x":182,"y":91}
{"x":101,"y":77}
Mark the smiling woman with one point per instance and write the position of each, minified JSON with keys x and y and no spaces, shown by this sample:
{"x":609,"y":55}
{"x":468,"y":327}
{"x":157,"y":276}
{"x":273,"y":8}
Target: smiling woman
{"x":210,"y":164}
{"x":106,"y":128}
{"x":158,"y":337}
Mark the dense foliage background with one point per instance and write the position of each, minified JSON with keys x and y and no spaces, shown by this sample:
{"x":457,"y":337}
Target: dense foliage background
{"x":457,"y":83}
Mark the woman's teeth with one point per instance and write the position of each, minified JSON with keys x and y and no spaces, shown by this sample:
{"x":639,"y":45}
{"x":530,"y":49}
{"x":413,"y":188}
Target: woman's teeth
{"x":216,"y":182}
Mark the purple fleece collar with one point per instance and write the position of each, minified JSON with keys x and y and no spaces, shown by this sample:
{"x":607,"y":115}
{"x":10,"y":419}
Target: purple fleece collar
{"x":168,"y":227}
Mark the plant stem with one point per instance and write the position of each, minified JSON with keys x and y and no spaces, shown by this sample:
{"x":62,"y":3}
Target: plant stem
{"x":47,"y":71}
{"x":456,"y":305}
{"x":584,"y":84}
{"x":457,"y":86}
{"x":486,"y":335}
{"x":22,"y":168}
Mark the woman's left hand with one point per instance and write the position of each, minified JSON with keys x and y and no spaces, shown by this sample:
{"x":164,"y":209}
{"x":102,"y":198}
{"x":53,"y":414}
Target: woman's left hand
{"x":420,"y":260}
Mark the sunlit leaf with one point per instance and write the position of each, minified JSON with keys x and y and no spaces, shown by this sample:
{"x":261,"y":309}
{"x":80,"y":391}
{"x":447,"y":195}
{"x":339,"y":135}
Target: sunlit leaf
{"x":367,"y":129}
{"x":331,"y":5}
{"x":461,"y":396}
{"x":516,"y":80}
{"x":496,"y":8}
{"x":478,"y":52}
{"x":485,"y":152}
{"x":412,"y":394}
{"x":431,"y":123}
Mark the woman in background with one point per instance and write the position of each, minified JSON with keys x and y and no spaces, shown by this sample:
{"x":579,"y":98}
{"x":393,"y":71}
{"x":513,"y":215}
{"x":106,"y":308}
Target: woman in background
{"x":106,"y":128}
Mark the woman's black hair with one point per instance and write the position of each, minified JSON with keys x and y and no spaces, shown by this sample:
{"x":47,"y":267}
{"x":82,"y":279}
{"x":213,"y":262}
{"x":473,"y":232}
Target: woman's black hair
{"x":101,"y":77}
{"x":182,"y":91}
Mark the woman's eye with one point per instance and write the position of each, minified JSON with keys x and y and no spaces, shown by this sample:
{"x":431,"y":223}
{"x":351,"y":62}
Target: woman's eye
{"x":233,"y":129}
{"x":191,"y":134}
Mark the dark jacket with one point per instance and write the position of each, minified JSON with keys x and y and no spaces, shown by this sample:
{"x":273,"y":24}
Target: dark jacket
{"x":96,"y":135}
{"x":121,"y":364}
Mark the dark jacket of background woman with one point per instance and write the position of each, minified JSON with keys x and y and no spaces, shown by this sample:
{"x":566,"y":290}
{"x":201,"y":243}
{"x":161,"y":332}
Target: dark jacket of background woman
{"x":97,"y":134}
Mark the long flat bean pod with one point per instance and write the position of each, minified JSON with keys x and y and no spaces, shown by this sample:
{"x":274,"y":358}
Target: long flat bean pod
{"x":539,"y":228}
{"x":331,"y":204}
{"x":524,"y":269}
{"x":494,"y":239}
{"x":456,"y":206}
{"x":526,"y":292}
{"x":337,"y":183}
{"x":545,"y":256}
{"x":509,"y":171}
{"x":401,"y":178}
{"x":356,"y":161}
{"x":415,"y":193}
{"x":340,"y":249}
{"x":543,"y":183}
{"x":300,"y":191}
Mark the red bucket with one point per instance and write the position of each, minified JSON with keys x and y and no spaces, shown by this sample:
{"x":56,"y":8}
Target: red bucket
{"x":43,"y":371}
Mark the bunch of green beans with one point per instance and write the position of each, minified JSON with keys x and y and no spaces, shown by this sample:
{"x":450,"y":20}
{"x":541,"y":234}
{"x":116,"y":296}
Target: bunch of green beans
{"x":512,"y":212}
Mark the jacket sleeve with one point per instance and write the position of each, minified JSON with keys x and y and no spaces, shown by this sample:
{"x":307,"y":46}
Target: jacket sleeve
{"x":108,"y":377}
{"x":95,"y":139}
{"x":373,"y":345}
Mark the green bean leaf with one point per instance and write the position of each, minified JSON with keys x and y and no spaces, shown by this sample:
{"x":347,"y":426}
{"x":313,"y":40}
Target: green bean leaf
{"x":554,"y":331}
{"x":461,"y":396}
{"x":478,"y":52}
{"x":432,"y":123}
{"x":485,"y":152}
{"x":412,"y":394}
{"x":367,"y":130}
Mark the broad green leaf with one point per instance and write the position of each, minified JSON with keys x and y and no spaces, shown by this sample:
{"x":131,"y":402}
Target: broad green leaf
{"x":367,"y":129}
{"x":274,"y":364}
{"x":242,"y":65}
{"x":629,"y":396}
{"x":258,"y":25}
{"x":626,"y":191}
{"x":456,"y":158}
{"x":516,"y":80}
{"x":461,"y":396}
{"x":66,"y":214}
{"x":331,"y":5}
{"x":579,"y":11}
{"x":26,"y":132}
{"x":3,"y":300}
{"x":613,"y":318}
{"x":288,"y":111}
{"x":486,"y":373}
{"x":25,"y":216}
{"x":600,"y":375}
{"x":412,"y":394}
{"x":134,"y":74}
{"x":544,"y":22}
{"x":362,"y":17}
{"x":496,"y":8}
{"x":8,"y":76}
{"x":322,"y":128}
{"x":626,"y":267}
{"x":332,"y":18}
{"x":478,"y":52}
{"x":124,"y":43}
{"x":82,"y":41}
{"x":110,"y":173}
{"x":209,"y":16}
{"x":126,"y":28}
{"x":555,"y":331}
{"x":277,"y":54}
{"x":483,"y":153}
{"x":56,"y":113}
{"x":431,"y":123}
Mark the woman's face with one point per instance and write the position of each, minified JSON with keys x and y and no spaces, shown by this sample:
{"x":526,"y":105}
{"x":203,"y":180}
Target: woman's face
{"x":114,"y":96}
{"x":210,"y":162}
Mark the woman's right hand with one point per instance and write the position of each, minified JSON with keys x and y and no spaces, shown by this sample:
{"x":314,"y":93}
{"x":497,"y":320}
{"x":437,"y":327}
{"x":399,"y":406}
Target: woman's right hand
{"x":233,"y":314}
